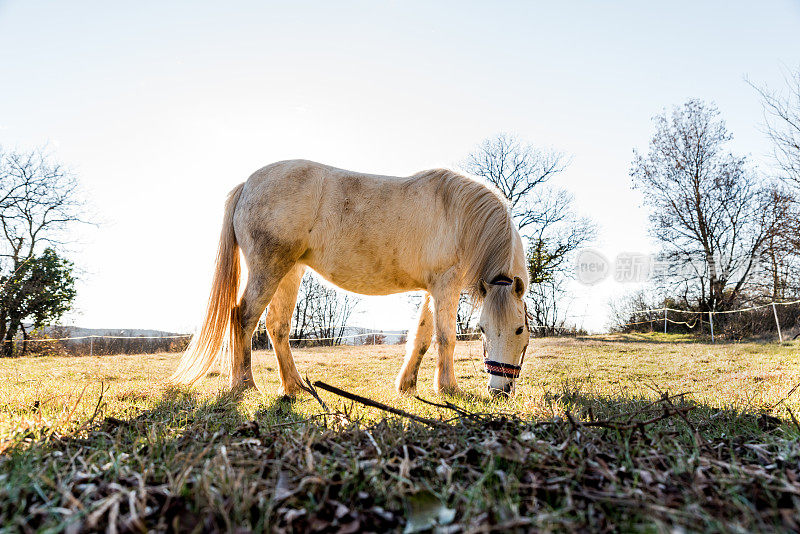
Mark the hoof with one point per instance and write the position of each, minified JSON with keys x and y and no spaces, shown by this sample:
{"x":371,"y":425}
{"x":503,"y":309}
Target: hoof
{"x":406,"y":387}
{"x":448,"y":389}
{"x":243,"y":386}
{"x":292,"y":389}
{"x":242,"y":382}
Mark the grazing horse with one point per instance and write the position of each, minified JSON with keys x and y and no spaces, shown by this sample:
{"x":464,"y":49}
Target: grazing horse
{"x":436,"y":231}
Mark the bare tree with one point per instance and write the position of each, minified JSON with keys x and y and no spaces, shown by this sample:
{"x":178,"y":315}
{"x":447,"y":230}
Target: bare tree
{"x":777,"y":275}
{"x":321,"y":313}
{"x":302,"y":327}
{"x":331,"y":315}
{"x":782,"y":126}
{"x":626,"y":313}
{"x":633,"y":313}
{"x":547,"y":307}
{"x":708,"y":209}
{"x":551,"y":248}
{"x":465,"y":314}
{"x":39,"y":202}
{"x":544,"y":215}
{"x":516,"y":169}
{"x":560,"y":233}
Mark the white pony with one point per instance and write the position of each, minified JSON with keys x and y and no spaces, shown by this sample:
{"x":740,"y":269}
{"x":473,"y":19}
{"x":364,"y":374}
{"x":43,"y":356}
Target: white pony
{"x":436,"y":231}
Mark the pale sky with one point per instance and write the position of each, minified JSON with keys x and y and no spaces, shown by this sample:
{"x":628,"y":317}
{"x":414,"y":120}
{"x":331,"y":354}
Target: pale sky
{"x":161,"y":109}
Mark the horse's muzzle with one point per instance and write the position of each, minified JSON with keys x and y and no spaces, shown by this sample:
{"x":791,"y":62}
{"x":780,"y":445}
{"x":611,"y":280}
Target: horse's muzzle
{"x":504,"y":392}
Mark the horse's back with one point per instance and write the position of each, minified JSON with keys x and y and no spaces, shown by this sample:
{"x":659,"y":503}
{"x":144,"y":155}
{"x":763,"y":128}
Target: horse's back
{"x":276,"y":203}
{"x":367,"y":233}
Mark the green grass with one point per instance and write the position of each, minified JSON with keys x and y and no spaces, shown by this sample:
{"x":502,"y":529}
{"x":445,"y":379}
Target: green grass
{"x":144,"y":456}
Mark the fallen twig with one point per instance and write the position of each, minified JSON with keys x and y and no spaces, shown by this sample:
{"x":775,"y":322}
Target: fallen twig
{"x":627,"y":416}
{"x":97,"y":408}
{"x":309,"y":387}
{"x":450,"y":406}
{"x":299,"y":421}
{"x":699,"y":439}
{"x":342,"y":416}
{"x":794,"y":419}
{"x":630,"y":425}
{"x":375,"y":404}
{"x":785,"y":397}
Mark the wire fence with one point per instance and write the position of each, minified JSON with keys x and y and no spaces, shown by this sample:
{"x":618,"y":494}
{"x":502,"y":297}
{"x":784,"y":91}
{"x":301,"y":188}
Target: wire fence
{"x":700,"y":315}
{"x":96,"y":344}
{"x":134,"y":344}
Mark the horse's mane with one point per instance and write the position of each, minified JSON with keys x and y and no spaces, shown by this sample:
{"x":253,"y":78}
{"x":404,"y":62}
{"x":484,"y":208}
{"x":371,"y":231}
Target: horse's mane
{"x":486,"y":230}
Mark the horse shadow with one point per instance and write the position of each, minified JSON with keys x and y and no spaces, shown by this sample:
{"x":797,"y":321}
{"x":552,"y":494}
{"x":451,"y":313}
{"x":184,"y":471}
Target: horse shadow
{"x":189,"y":416}
{"x":188,"y":412}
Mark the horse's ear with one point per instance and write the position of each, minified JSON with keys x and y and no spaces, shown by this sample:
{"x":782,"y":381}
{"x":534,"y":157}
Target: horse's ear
{"x":483,"y":287}
{"x":519,"y":286}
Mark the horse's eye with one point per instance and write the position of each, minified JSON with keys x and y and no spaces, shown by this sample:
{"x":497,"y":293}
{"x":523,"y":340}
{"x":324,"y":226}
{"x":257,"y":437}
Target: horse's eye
{"x":519,"y":331}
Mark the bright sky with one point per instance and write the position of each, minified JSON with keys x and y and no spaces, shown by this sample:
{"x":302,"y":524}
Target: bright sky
{"x":161,"y":108}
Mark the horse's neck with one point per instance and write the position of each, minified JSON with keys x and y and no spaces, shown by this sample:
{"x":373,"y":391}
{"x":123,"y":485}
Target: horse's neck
{"x":519,"y":261}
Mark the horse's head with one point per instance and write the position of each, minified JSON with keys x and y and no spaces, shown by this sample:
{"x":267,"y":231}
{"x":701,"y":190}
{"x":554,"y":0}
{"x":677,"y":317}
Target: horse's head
{"x":505,"y":329}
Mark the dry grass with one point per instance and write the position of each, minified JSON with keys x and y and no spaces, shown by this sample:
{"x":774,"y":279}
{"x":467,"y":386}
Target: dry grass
{"x":168,"y":459}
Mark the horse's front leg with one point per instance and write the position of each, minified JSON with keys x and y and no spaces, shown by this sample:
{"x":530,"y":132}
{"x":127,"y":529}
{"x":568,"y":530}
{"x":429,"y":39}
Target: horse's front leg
{"x":445,"y":307}
{"x":416,"y":347}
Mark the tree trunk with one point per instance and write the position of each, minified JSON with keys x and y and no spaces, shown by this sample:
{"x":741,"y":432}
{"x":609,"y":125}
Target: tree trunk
{"x":3,"y":317}
{"x":8,"y":345}
{"x":24,"y":341}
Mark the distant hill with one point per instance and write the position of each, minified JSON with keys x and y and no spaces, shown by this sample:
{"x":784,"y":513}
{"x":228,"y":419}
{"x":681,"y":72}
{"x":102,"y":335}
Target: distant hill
{"x":364,"y":335}
{"x":77,"y":331}
{"x":357,"y":335}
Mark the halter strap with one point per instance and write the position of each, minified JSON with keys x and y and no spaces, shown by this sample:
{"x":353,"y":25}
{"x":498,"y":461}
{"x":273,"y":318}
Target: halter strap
{"x":506,"y":370}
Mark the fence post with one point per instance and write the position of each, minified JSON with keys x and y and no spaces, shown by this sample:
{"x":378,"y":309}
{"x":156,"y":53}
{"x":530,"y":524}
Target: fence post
{"x":777,"y":323}
{"x":665,"y":320}
{"x":91,"y":346}
{"x":711,"y":320}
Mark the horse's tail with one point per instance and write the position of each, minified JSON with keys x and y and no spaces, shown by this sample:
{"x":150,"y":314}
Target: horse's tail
{"x":219,"y":323}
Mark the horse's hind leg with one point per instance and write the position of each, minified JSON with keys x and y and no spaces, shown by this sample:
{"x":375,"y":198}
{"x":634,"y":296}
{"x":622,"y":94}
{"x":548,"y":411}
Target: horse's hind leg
{"x":415,"y":348}
{"x":279,"y":323}
{"x":262,"y":283}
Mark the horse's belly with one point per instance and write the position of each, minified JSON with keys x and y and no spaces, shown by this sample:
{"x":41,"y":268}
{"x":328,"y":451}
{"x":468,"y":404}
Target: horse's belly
{"x":369,"y":287}
{"x":365,"y":274}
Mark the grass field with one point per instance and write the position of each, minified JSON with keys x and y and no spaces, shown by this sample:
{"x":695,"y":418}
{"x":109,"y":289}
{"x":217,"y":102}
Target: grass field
{"x":586,"y":443}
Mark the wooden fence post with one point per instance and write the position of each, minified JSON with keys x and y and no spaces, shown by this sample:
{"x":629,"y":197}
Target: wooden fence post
{"x":711,"y":320}
{"x":777,"y":323}
{"x":665,"y":320}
